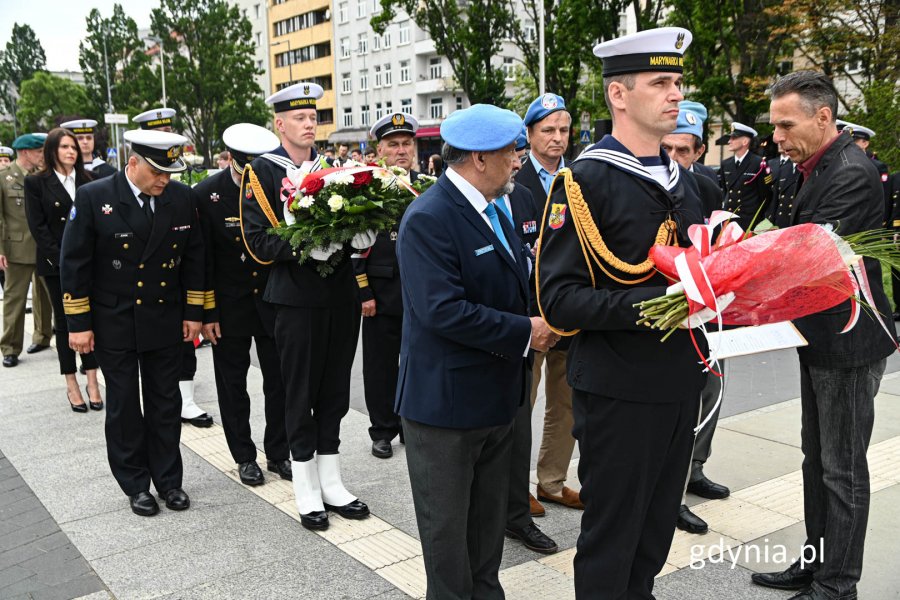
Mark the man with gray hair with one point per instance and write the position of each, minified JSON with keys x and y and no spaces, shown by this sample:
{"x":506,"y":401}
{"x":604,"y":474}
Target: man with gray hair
{"x":839,"y":373}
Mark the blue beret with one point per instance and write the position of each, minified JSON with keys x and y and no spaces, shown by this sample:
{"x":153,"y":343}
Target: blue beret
{"x":522,"y":140}
{"x":691,"y":116}
{"x":543,"y":106}
{"x":29,"y":141}
{"x":481,"y":128}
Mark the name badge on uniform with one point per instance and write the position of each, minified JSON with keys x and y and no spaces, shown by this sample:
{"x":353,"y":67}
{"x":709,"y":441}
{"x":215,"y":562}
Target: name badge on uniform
{"x":119,"y":236}
{"x":181,"y":228}
{"x":484,"y":250}
{"x":529,"y":227}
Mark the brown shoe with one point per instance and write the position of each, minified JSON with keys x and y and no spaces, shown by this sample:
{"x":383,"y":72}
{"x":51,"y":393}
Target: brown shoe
{"x":537,"y":509}
{"x":569,"y":497}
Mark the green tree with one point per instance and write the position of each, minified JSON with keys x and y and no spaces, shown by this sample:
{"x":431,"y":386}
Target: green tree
{"x":23,"y":57}
{"x":467,"y":33}
{"x":210,"y":71}
{"x":45,"y":96}
{"x":114,"y":42}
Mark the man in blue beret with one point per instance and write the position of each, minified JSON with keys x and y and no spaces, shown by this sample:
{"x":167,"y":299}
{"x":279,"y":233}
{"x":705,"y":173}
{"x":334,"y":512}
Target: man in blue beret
{"x":18,"y":254}
{"x":465,"y":344}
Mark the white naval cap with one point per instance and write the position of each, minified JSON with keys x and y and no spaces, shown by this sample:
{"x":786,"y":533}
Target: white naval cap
{"x":246,"y":141}
{"x":660,"y":49}
{"x":6,"y":152}
{"x":80,"y":126}
{"x":161,"y":149}
{"x":857,"y":131}
{"x":394,"y":123}
{"x":739,"y":129}
{"x":297,"y":96}
{"x":155,"y":118}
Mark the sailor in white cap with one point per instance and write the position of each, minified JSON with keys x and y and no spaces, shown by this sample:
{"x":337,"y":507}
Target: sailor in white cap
{"x":635,"y":401}
{"x":316,"y":318}
{"x":745,"y":178}
{"x":378,"y":278}
{"x":84,"y":130}
{"x":235,"y":315}
{"x":132,"y":282}
{"x":156,"y":118}
{"x":6,"y":155}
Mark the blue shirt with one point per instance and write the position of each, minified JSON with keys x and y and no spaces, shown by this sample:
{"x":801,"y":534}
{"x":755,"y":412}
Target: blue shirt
{"x":545,"y":175}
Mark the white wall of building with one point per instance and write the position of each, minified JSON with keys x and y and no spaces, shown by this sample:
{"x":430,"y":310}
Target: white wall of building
{"x":256,"y":12}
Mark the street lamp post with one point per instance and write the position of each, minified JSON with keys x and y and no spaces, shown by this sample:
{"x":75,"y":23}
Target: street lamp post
{"x":162,"y":65}
{"x":289,"y":57}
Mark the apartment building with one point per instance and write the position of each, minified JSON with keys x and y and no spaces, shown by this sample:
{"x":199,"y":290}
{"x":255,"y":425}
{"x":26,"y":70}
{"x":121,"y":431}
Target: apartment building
{"x":257,"y":13}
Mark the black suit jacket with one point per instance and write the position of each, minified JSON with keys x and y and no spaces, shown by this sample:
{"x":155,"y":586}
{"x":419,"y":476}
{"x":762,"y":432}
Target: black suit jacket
{"x":132,"y":283}
{"x":845,"y":190}
{"x":47,"y":206}
{"x":785,"y":177}
{"x":746,"y":187}
{"x":529,"y":177}
{"x":710,"y":194}
{"x":709,"y":172}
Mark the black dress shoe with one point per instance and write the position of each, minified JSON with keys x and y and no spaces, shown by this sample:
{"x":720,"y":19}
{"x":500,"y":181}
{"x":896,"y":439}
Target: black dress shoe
{"x":355,"y":510}
{"x":382,"y":449}
{"x":35,"y":348}
{"x":176,"y":499}
{"x":705,"y":488}
{"x":688,"y":521}
{"x":143,"y":504}
{"x":10,"y":360}
{"x":282,"y":468}
{"x":93,"y":405}
{"x":533,"y":539}
{"x":794,"y":577}
{"x":203,"y":420}
{"x":250,"y":473}
{"x":316,"y":520}
{"x":809,"y":594}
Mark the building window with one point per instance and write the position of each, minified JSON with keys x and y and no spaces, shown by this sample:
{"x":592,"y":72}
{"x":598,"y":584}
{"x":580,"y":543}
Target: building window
{"x":376,"y":6}
{"x":346,"y":83}
{"x":256,"y":8}
{"x":364,"y":115}
{"x":387,"y":75}
{"x":378,"y":112}
{"x":325,"y":115}
{"x":386,"y":40}
{"x":348,"y":117}
{"x":434,"y":68}
{"x":459,"y":103}
{"x":364,"y":80}
{"x":345,"y":47}
{"x":388,"y":107}
{"x":406,"y":105}
{"x":509,"y":69}
{"x":360,"y":8}
{"x":377,"y":76}
{"x":343,"y":12}
{"x":362,"y":45}
{"x":404,"y":71}
{"x":259,"y":65}
{"x":404,"y":33}
{"x":304,"y":54}
{"x":376,"y":42}
{"x":437,"y":108}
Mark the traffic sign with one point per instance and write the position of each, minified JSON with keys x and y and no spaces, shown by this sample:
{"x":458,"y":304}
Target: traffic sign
{"x":362,"y":146}
{"x":585,"y":136}
{"x":115,"y":119}
{"x":111,"y":153}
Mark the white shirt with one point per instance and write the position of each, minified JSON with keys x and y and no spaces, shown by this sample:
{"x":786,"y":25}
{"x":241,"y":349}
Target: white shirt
{"x":137,"y":193}
{"x":739,"y":159}
{"x":68,"y":182}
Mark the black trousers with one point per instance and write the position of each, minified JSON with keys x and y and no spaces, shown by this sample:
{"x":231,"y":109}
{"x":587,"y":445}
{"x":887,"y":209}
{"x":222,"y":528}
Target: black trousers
{"x":634,"y":457}
{"x":231,"y":361}
{"x":381,"y":366}
{"x":316,"y":347}
{"x":65,"y":354}
{"x":459,"y":483}
{"x":143,"y":447}
{"x":188,"y":361}
{"x":518,"y":510}
{"x":895,"y":288}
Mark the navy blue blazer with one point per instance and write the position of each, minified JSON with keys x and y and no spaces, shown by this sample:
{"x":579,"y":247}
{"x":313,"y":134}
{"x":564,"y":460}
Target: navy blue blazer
{"x":465,"y":315}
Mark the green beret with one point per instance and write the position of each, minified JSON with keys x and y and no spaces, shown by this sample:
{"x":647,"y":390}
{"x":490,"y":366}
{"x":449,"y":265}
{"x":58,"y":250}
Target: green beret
{"x":29,"y":141}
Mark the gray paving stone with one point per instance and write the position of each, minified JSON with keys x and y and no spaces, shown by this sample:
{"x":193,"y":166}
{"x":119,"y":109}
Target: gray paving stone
{"x":37,"y":548}
{"x":12,"y":576}
{"x":713,"y":582}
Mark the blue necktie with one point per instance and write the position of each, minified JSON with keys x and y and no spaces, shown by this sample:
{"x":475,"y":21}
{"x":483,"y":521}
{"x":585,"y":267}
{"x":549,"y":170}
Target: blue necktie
{"x":491,"y":212}
{"x":503,"y":203}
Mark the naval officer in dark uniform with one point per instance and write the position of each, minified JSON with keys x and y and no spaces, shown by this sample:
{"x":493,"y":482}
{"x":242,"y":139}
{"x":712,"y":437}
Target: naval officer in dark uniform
{"x":132,"y":283}
{"x":84,"y":132}
{"x":785,"y":178}
{"x":378,"y":277}
{"x":316,"y":318}
{"x":745,"y":178}
{"x":235,"y":314}
{"x":635,"y":400}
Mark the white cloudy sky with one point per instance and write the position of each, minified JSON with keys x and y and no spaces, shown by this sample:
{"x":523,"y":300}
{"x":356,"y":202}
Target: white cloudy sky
{"x":60,"y":24}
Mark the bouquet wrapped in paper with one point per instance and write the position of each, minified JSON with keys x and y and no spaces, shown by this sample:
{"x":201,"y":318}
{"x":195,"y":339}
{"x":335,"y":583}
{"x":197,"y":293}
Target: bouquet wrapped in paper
{"x":775,"y":276}
{"x":327,"y":208}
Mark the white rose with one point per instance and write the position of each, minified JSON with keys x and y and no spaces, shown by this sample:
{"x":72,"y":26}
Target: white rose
{"x":343,"y":178}
{"x":306,"y":201}
{"x":336,"y":203}
{"x":295,"y":176}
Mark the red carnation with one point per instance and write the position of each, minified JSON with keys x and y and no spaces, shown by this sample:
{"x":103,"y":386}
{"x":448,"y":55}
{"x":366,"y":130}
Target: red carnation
{"x":361,"y":179}
{"x":311,"y":185}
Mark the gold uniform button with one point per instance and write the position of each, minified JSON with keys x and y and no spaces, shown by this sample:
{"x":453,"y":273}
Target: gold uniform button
{"x":139,"y":301}
{"x":254,"y":273}
{"x":174,"y":246}
{"x":56,"y":204}
{"x":237,"y":239}
{"x":162,"y":283}
{"x":164,"y":265}
{"x":141,"y":266}
{"x":160,"y":300}
{"x":255,"y":291}
{"x":140,"y":284}
{"x":125,"y":245}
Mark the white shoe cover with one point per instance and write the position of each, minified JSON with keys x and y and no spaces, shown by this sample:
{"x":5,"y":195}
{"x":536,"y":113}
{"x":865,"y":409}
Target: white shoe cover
{"x":189,"y":410}
{"x":333,"y":490}
{"x":307,"y":492}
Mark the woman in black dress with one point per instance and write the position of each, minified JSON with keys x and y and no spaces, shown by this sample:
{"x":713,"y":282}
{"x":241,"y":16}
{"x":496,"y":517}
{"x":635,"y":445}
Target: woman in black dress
{"x":49,"y":196}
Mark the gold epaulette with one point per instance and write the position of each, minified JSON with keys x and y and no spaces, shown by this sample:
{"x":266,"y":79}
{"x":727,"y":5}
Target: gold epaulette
{"x":362,"y":280}
{"x":75,"y":306}
{"x":195,"y":298}
{"x":209,"y":300}
{"x":263,"y":202}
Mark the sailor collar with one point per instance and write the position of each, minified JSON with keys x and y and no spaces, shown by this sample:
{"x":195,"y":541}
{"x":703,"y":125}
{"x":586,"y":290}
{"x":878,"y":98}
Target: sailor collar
{"x":611,"y":151}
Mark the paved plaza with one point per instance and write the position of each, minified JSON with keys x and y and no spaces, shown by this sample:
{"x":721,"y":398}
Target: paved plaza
{"x":66,"y":530}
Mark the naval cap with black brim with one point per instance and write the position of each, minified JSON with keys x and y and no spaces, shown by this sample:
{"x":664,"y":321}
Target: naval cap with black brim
{"x":162,"y":149}
{"x":6,"y":152}
{"x":653,"y":50}
{"x":857,"y":131}
{"x":481,"y":128}
{"x":155,"y":118}
{"x":297,"y":96}
{"x":739,"y":129}
{"x":393,"y":123}
{"x":246,"y":141}
{"x":80,"y":126}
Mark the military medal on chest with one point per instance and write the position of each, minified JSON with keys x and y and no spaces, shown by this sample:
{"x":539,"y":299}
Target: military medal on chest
{"x":106,"y":209}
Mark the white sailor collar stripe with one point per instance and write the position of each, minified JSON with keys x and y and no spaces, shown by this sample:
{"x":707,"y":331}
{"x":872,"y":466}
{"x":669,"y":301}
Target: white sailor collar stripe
{"x":629,"y":163}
